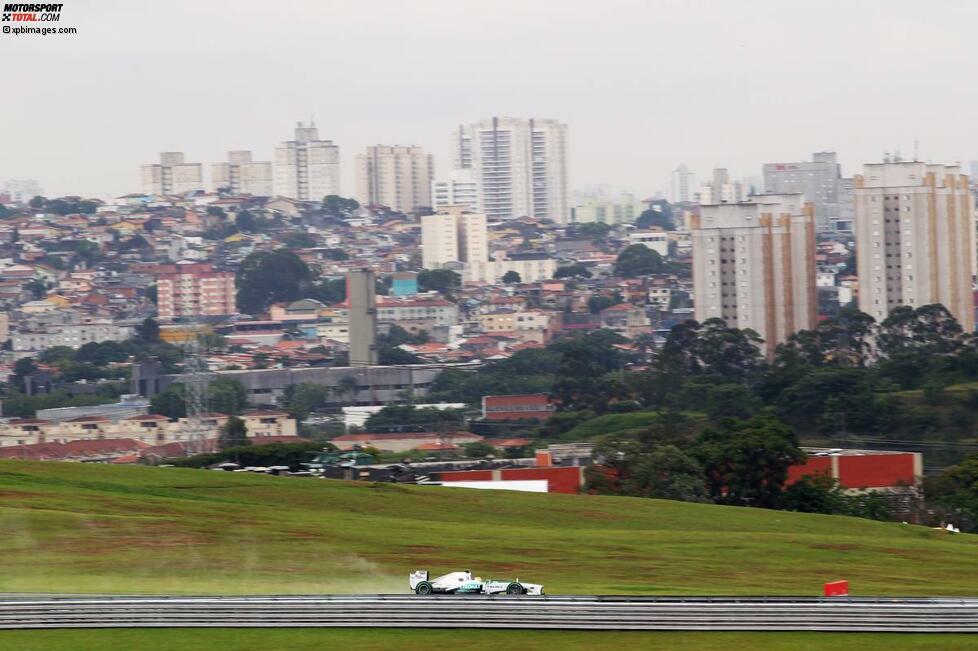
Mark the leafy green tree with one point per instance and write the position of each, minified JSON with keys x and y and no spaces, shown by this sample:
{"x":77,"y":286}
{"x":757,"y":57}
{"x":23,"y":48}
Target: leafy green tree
{"x":659,"y":215}
{"x":479,"y":450}
{"x":216,"y":211}
{"x":226,"y":395}
{"x":746,"y":461}
{"x":638,"y":260}
{"x":37,"y":202}
{"x":304,"y":398}
{"x":328,"y":291}
{"x":267,"y":277}
{"x":338,"y":206}
{"x":512,"y":277}
{"x":818,"y":494}
{"x":147,"y":332}
{"x":299,"y":240}
{"x":583,"y":379}
{"x":234,"y":433}
{"x":396,"y":417}
{"x":170,"y":402}
{"x":246,"y":222}
{"x":954,"y":494}
{"x":445,"y":281}
{"x":577,"y":270}
{"x":600,"y":302}
{"x":594,"y":230}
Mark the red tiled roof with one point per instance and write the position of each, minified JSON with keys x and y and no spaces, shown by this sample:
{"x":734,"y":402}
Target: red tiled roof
{"x":71,"y":449}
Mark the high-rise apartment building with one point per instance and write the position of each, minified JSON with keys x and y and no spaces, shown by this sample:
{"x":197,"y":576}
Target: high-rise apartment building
{"x":754,"y":265}
{"x":519,"y":166}
{"x":396,"y":177}
{"x":817,"y":179}
{"x":172,"y":175}
{"x":21,"y":190}
{"x":242,"y":175}
{"x":914,"y":228}
{"x":457,"y":189}
{"x":720,"y":189}
{"x":307,"y":168}
{"x":453,"y":235}
{"x":683,"y":185}
{"x":188,"y":290}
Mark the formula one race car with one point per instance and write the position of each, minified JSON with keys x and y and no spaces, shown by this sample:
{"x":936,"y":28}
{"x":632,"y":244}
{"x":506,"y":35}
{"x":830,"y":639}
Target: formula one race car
{"x":464,"y":583}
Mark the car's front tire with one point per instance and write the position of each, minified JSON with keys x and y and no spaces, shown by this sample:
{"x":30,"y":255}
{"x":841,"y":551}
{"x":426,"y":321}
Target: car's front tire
{"x":515,"y":588}
{"x":424,"y":588}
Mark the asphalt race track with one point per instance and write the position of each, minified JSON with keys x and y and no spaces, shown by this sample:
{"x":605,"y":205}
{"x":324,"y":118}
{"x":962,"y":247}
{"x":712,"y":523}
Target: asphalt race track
{"x":937,"y":615}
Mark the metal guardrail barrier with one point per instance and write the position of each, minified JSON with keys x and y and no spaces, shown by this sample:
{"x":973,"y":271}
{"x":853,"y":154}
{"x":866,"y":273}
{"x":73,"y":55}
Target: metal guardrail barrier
{"x":937,"y":615}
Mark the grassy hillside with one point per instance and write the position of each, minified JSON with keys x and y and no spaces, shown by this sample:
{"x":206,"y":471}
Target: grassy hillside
{"x":85,"y":528}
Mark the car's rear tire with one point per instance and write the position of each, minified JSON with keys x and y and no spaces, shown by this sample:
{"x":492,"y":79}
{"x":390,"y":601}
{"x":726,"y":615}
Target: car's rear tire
{"x":424,"y":588}
{"x":515,"y":588}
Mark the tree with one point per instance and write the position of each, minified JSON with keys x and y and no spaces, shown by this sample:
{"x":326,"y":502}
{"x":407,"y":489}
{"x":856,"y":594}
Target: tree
{"x":479,"y":450}
{"x":594,"y":230}
{"x":226,"y":395}
{"x":37,"y":202}
{"x":439,"y":280}
{"x":299,"y":240}
{"x":327,"y":291}
{"x":304,"y":398}
{"x":338,"y":206}
{"x":147,"y":332}
{"x":267,"y":277}
{"x":512,"y":277}
{"x":234,"y":433}
{"x":659,"y":215}
{"x":954,"y":494}
{"x":170,"y":402}
{"x":818,"y":494}
{"x":746,"y":461}
{"x":577,"y":270}
{"x":638,"y":260}
{"x":599,"y":302}
{"x":246,"y":222}
{"x":583,"y":380}
{"x":216,"y":211}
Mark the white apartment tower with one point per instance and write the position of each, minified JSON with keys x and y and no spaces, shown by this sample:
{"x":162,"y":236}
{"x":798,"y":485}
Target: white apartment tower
{"x":172,"y":175}
{"x":914,"y":226}
{"x":396,"y":177}
{"x":453,"y":235}
{"x":519,"y":166}
{"x":754,"y":265}
{"x":243,"y":175}
{"x":721,"y":189}
{"x":307,"y":168}
{"x":683,"y":185}
{"x":457,"y":189}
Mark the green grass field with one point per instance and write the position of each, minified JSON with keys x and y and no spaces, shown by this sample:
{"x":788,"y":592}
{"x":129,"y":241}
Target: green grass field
{"x":84,"y":528}
{"x":388,"y":639}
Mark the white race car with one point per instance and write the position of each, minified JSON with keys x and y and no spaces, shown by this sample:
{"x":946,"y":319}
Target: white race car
{"x":464,"y":583}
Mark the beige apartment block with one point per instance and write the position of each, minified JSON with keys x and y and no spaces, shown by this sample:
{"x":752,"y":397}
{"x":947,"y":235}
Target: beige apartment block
{"x":397,"y":177}
{"x":754,"y":265}
{"x":914,"y":227}
{"x":152,"y":429}
{"x":454,"y":235}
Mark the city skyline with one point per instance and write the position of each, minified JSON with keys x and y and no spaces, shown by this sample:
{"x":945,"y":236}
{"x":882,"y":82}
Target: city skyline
{"x":774,"y":106}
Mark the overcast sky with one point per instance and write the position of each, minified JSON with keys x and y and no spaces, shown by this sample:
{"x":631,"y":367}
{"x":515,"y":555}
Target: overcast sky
{"x":643,"y":86}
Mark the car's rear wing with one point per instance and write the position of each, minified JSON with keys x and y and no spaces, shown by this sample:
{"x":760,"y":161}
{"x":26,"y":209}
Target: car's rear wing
{"x":417,"y":577}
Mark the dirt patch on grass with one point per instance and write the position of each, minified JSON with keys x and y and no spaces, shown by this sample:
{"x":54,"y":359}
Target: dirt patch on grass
{"x":837,"y":547}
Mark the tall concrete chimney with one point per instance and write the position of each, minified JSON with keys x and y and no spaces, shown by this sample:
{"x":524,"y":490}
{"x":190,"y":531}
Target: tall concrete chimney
{"x":361,"y":293}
